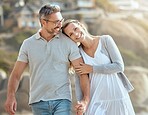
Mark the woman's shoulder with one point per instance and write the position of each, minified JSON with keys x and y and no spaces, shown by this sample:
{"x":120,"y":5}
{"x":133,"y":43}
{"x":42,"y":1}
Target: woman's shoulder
{"x":107,"y":41}
{"x":105,"y":37}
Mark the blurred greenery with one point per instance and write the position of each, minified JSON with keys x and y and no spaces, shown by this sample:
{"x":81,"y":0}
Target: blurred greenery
{"x":7,"y":58}
{"x":18,"y":38}
{"x":7,"y":10}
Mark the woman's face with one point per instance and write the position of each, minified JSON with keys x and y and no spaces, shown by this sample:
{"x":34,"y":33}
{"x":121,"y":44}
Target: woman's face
{"x":75,"y":32}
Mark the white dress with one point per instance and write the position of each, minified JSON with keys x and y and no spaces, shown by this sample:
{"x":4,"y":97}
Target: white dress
{"x":108,"y":95}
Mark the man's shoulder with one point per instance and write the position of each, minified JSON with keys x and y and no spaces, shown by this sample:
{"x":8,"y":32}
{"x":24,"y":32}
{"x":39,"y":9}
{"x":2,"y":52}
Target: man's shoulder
{"x":65,"y":38}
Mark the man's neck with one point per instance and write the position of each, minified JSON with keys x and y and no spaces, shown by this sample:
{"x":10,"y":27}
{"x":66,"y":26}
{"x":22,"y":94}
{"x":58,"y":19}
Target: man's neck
{"x":46,"y":35}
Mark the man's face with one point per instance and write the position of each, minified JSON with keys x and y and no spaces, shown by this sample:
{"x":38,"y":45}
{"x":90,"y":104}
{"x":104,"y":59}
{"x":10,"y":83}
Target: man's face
{"x":53,"y":24}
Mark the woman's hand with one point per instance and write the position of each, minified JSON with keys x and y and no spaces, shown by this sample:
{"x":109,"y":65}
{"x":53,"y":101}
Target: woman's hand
{"x":83,"y":69}
{"x":81,"y":107}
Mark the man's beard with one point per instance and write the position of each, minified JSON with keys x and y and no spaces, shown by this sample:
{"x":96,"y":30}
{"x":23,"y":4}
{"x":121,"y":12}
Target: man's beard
{"x":52,"y":31}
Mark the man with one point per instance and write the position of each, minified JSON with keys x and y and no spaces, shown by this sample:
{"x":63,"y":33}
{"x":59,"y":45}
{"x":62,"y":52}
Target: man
{"x":48,"y":54}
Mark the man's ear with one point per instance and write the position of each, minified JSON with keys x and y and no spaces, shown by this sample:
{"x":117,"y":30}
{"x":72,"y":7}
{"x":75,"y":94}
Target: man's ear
{"x":43,"y":22}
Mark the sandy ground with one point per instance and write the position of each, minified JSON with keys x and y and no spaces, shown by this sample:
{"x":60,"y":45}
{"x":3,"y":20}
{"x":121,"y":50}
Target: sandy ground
{"x":28,"y":113}
{"x":23,"y":113}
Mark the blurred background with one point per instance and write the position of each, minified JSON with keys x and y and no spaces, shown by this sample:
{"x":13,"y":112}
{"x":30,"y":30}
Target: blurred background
{"x":125,"y":20}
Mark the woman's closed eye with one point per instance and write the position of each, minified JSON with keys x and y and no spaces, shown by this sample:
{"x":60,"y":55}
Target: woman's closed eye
{"x":70,"y":34}
{"x":74,"y":31}
{"x":75,"y":28}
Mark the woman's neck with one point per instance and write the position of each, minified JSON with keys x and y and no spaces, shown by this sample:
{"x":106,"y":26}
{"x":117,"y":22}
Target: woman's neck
{"x":89,"y":42}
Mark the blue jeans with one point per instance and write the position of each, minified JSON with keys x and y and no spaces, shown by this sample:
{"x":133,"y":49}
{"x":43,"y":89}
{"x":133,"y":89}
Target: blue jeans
{"x":52,"y":107}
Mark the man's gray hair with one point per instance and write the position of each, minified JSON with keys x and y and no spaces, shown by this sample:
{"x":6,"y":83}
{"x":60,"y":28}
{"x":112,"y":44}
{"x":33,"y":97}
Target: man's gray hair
{"x":47,"y":10}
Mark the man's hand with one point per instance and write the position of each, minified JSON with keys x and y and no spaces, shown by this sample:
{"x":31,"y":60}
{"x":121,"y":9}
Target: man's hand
{"x":81,"y":107}
{"x":11,"y":105}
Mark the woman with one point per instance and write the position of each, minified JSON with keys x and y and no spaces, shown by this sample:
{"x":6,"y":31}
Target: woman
{"x":109,"y":86}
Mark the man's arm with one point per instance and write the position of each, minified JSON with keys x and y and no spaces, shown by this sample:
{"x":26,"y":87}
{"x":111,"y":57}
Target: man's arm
{"x":13,"y":83}
{"x":84,"y":83}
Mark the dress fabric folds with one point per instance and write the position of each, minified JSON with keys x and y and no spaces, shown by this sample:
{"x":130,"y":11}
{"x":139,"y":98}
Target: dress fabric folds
{"x":107,"y":92}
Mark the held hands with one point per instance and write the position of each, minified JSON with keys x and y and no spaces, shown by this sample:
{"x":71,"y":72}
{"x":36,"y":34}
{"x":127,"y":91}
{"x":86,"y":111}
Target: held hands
{"x":81,"y":107}
{"x":83,"y":69}
{"x":11,"y":105}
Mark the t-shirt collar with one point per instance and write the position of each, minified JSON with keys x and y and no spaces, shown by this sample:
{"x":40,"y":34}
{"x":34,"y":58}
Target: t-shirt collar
{"x":38,"y":36}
